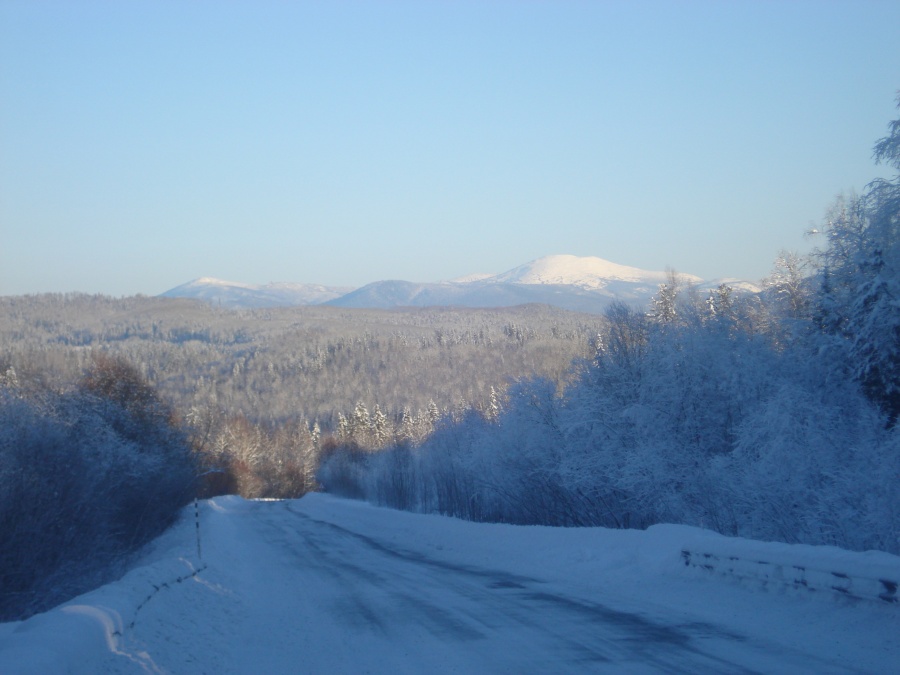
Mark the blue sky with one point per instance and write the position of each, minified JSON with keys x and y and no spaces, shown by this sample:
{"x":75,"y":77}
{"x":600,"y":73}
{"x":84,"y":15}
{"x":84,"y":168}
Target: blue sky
{"x":143,"y":144}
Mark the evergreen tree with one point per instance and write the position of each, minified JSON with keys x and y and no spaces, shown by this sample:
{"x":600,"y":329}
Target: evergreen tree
{"x":343,"y":428}
{"x":719,"y":303}
{"x":359,"y":425}
{"x":662,"y":304}
{"x":434,"y":414}
{"x":495,"y":407}
{"x":407,"y":426}
{"x":380,"y":429}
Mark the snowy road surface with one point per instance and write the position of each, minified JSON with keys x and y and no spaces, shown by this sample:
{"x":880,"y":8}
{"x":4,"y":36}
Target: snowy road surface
{"x":321,"y":585}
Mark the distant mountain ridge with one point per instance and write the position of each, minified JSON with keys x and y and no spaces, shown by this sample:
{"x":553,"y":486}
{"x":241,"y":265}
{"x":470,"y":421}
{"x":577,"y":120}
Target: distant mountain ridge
{"x":234,"y":295}
{"x":586,"y":284}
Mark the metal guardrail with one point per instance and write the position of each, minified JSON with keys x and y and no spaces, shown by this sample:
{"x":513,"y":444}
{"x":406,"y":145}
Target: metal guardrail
{"x":800,"y":577}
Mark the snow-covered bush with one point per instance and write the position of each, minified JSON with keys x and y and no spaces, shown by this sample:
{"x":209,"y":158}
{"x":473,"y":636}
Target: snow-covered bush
{"x":86,"y":476}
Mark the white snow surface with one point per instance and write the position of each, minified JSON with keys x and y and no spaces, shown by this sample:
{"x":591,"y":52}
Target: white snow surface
{"x":583,"y":271}
{"x":324,"y":585}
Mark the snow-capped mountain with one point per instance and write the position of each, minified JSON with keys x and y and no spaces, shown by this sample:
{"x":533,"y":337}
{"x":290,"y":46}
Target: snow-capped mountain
{"x":234,"y":295}
{"x":585,"y":272}
{"x":586,"y":284}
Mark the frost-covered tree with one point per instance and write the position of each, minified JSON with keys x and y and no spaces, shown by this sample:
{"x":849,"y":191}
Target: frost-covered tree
{"x":494,"y":407}
{"x":8,"y":378}
{"x":407,"y":432}
{"x":664,"y":305}
{"x":433,"y":414}
{"x":847,"y":239}
{"x":380,"y":428}
{"x":859,"y":297}
{"x":343,"y":428}
{"x":788,"y":285}
{"x":360,"y":424}
{"x":884,"y":194}
{"x":720,"y":302}
{"x":874,"y":330}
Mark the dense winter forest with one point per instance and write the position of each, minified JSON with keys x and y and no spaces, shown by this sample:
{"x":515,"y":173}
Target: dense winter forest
{"x":770,"y":415}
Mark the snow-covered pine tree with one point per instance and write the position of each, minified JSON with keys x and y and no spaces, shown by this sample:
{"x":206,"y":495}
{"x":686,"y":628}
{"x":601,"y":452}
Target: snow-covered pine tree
{"x":359,"y":425}
{"x":662,"y":305}
{"x":380,"y":428}
{"x":495,"y":407}
{"x":407,"y":426}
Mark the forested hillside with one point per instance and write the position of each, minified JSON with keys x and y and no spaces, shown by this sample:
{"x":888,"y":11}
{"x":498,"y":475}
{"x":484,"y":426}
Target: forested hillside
{"x":308,"y":363}
{"x":263,"y":389}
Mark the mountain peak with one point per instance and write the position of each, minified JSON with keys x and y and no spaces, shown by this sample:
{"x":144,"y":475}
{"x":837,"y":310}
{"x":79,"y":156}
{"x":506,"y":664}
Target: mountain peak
{"x":587,"y":272}
{"x":213,"y":282}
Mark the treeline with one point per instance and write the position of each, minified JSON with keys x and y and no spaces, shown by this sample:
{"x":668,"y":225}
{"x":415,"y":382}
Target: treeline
{"x":770,"y":416}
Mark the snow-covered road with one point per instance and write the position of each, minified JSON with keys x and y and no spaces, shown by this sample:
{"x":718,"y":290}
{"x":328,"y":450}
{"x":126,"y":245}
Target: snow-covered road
{"x":321,"y":585}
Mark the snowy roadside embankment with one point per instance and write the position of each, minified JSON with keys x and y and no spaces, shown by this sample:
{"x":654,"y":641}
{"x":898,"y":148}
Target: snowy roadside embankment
{"x":286,"y":587}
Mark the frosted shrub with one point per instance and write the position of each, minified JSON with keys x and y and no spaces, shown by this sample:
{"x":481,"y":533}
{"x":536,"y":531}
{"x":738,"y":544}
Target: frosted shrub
{"x":86,"y":477}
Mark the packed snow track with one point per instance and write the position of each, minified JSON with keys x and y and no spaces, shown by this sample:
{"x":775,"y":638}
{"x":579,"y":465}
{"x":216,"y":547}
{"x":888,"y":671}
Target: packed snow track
{"x":320,"y":585}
